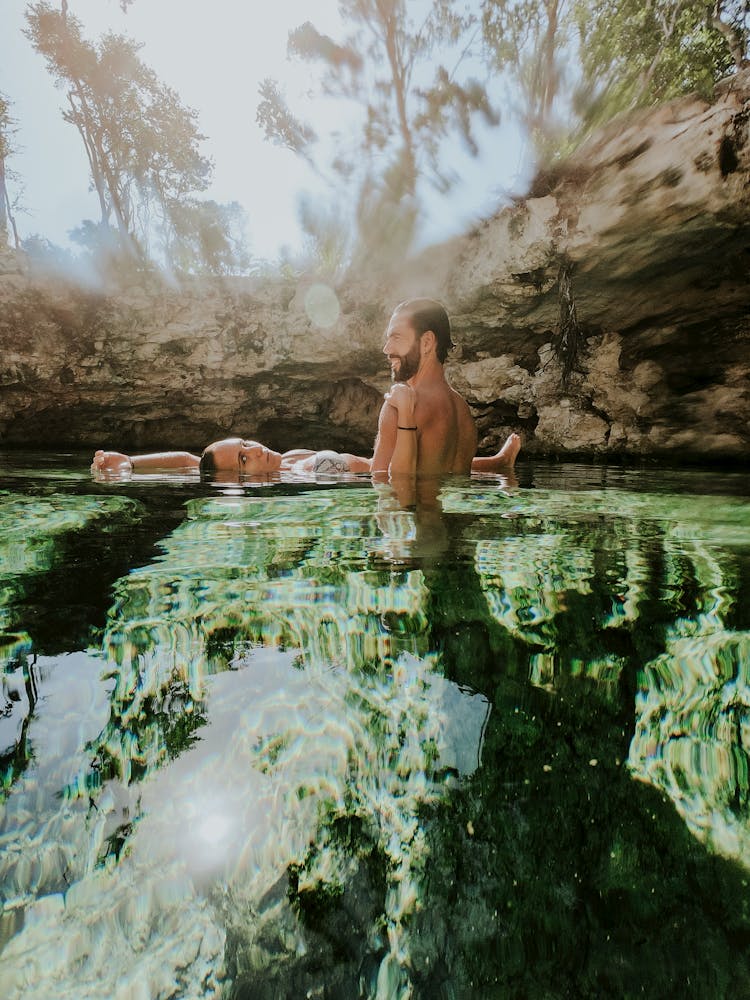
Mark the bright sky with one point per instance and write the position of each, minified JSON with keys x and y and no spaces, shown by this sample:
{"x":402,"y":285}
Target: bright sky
{"x":215,"y":55}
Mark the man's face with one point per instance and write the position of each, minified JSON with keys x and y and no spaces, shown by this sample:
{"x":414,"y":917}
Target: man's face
{"x":402,"y":348}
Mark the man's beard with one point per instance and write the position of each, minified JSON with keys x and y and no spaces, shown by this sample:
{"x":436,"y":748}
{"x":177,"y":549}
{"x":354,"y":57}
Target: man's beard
{"x":408,"y":365}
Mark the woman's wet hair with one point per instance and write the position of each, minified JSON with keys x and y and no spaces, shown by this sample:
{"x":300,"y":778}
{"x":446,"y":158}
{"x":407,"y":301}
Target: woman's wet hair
{"x":207,"y":464}
{"x":427,"y":314}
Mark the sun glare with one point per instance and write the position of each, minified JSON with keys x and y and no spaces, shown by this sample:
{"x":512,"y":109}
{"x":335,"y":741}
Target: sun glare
{"x":322,"y":305}
{"x":215,"y":60}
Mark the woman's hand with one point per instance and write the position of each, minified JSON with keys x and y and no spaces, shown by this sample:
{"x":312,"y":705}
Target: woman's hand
{"x":111,"y":462}
{"x":403,"y":460}
{"x":403,"y":399}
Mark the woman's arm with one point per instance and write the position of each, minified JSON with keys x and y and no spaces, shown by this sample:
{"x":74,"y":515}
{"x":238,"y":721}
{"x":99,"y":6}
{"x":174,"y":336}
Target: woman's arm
{"x":385,"y":441}
{"x":404,"y":458}
{"x":163,"y":461}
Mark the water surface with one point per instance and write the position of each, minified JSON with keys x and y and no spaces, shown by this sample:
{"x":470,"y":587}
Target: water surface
{"x":292,"y":739}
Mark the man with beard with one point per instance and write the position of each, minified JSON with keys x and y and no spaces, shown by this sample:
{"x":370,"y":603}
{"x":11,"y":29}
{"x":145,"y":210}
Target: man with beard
{"x":424,"y":425}
{"x":423,"y":420}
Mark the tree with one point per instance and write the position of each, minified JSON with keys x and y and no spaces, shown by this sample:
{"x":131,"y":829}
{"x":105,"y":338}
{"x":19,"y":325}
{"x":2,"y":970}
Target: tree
{"x":405,"y":76}
{"x":635,"y":53}
{"x":7,"y":129}
{"x":597,"y":58}
{"x":278,"y":122}
{"x":205,"y":236}
{"x":525,"y":41}
{"x":141,"y":142}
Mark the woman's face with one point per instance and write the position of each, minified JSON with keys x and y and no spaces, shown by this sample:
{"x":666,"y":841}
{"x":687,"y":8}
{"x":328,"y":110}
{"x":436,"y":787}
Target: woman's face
{"x":244,"y":458}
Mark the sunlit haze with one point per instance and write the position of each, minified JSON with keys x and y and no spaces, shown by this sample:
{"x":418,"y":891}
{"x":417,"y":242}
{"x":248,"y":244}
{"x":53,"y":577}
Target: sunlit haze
{"x":215,"y":56}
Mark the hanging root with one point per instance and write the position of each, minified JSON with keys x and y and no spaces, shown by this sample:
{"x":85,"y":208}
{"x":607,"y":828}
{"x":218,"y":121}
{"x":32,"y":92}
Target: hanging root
{"x":570,"y":336}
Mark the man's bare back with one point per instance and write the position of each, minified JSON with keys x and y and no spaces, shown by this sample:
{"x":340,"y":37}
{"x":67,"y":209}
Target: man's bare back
{"x":417,"y":341}
{"x":447,"y":437}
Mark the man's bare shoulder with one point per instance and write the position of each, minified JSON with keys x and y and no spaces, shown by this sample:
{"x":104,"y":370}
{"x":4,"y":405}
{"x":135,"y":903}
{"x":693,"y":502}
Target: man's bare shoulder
{"x":467,"y":433}
{"x":440,"y":402}
{"x":459,"y":400}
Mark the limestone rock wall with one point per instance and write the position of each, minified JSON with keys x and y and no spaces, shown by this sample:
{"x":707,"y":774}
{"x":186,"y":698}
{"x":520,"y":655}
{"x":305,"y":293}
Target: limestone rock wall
{"x":153,"y":366}
{"x":649,"y":222}
{"x":607,"y":313}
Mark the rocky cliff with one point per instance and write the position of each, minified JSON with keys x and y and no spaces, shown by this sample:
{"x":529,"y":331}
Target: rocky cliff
{"x":607,"y":314}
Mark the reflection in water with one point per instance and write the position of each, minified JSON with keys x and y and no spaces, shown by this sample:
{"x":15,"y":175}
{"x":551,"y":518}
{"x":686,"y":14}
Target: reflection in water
{"x":270,"y":729}
{"x":33,"y":531}
{"x":360,"y":732}
{"x":692,"y":734}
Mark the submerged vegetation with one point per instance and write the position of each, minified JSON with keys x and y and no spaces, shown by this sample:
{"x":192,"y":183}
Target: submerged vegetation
{"x":315,"y":744}
{"x":411,"y":81}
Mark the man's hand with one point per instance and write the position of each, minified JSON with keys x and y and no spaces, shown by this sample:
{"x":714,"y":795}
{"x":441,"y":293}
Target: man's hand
{"x":111,"y":463}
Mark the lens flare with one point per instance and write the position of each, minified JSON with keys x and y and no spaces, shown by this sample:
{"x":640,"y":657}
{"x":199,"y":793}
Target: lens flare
{"x":322,"y":305}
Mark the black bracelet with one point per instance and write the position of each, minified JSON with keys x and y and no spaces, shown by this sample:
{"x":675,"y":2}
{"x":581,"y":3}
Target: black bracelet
{"x":399,"y":427}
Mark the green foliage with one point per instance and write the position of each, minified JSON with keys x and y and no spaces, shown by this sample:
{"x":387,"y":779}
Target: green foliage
{"x":101,"y":240}
{"x":206,"y":235}
{"x":329,"y":242}
{"x":279,"y":124}
{"x":567,"y":67}
{"x":6,"y":128}
{"x":572,"y":65}
{"x":635,"y":54}
{"x":385,"y":220}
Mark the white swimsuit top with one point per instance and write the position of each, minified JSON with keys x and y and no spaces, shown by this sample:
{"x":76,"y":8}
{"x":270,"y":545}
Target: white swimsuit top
{"x":330,"y":463}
